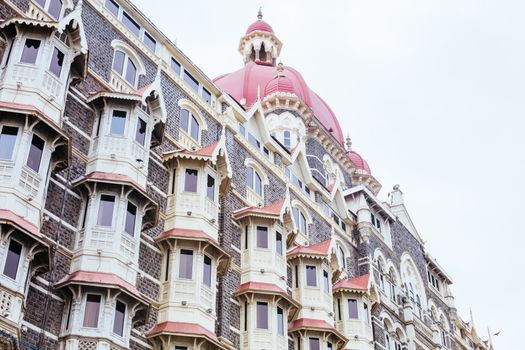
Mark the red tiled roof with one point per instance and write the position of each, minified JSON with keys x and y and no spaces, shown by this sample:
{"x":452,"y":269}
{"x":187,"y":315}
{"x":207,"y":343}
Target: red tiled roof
{"x":186,"y":233}
{"x":102,"y":278}
{"x":272,"y":209}
{"x":31,"y":110}
{"x":103,"y":176}
{"x":9,"y":217}
{"x":357,"y":283}
{"x":309,"y":323}
{"x":184,"y":328}
{"x":202,"y":153}
{"x":318,"y":249}
{"x":259,"y":286}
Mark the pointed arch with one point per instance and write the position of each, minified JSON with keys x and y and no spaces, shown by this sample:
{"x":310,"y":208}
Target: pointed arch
{"x":410,"y":277}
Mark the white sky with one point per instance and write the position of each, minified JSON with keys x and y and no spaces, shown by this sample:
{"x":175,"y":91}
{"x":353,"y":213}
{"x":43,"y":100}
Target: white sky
{"x":431,"y":93}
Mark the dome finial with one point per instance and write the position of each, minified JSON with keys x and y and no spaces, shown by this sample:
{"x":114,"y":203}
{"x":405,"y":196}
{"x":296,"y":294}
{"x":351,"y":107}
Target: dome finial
{"x":348,"y":143}
{"x":280,"y":69}
{"x":259,"y":14}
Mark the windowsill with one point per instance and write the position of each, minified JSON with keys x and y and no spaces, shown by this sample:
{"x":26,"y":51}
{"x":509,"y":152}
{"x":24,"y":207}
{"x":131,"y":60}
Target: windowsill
{"x":32,"y":171}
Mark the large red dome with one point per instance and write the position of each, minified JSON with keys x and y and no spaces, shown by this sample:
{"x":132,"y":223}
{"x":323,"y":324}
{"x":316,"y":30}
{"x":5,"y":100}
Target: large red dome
{"x":244,"y":83}
{"x":259,"y":25}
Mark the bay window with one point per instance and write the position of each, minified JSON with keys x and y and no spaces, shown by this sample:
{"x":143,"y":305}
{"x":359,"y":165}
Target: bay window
{"x":8,"y":137}
{"x":262,"y":315}
{"x":36,"y":151}
{"x":92,"y":311}
{"x":14,"y":252}
{"x":186,"y":264}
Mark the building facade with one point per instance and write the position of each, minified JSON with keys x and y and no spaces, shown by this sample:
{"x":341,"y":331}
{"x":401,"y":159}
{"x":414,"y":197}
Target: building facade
{"x":146,"y":206}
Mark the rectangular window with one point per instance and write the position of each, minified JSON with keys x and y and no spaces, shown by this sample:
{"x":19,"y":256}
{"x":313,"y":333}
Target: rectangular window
{"x":206,"y":273}
{"x":311,"y":276}
{"x":246,"y":237}
{"x":262,"y":237}
{"x":280,"y":321}
{"x":279,"y":243}
{"x":245,"y":315}
{"x":166,"y":275}
{"x":140,"y":134}
{"x":69,"y":309}
{"x":191,"y":81}
{"x":173,"y":181}
{"x":296,"y":276}
{"x":253,"y":140}
{"x":190,"y":180}
{"x":7,"y":142}
{"x":13,"y":259}
{"x":206,"y":95}
{"x":175,"y":66}
{"x":326,"y":282}
{"x":113,"y":7}
{"x":84,"y":215}
{"x":35,"y":153}
{"x":186,"y":264}
{"x":352,"y":309}
{"x":92,"y":311}
{"x":118,"y":322}
{"x":339,"y":310}
{"x":210,"y":188}
{"x":105,"y":210}
{"x":365,"y":311}
{"x":55,"y":8}
{"x":57,"y":60}
{"x":131,"y":24}
{"x":150,"y":42}
{"x":314,"y":344}
{"x":262,"y":315}
{"x":131,"y":219}
{"x":9,"y":53}
{"x":118,"y":122}
{"x":30,"y":51}
{"x":99,"y":123}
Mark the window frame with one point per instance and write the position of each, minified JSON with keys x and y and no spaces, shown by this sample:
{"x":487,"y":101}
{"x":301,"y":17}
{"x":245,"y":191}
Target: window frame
{"x":355,"y":308}
{"x":179,"y":275}
{"x":123,"y":321}
{"x":254,"y":174}
{"x":38,"y":54}
{"x":137,"y":128}
{"x":135,"y":220}
{"x":28,"y":153}
{"x":100,"y":306}
{"x":214,"y":193}
{"x":127,"y":60}
{"x":187,"y":190}
{"x":204,"y":282}
{"x":17,"y":141}
{"x":20,"y":258}
{"x":126,"y":122}
{"x":267,"y":318}
{"x":59,"y":76}
{"x":46,"y":5}
{"x":191,"y":123}
{"x":306,"y":269}
{"x":266,"y":240}
{"x":115,"y":206}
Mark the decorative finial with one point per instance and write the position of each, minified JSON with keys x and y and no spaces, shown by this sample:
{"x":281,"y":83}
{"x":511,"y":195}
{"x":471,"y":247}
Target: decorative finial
{"x":348,"y":143}
{"x":280,"y":69}
{"x":259,"y":14}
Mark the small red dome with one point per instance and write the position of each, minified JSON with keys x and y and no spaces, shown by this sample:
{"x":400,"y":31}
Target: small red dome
{"x":359,"y":162}
{"x":259,"y":25}
{"x":280,"y":83}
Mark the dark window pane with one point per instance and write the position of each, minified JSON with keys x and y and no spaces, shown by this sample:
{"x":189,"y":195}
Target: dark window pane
{"x":194,"y":128}
{"x":181,"y":348}
{"x":191,"y":81}
{"x":140,"y":134}
{"x":56,"y":62}
{"x":131,"y":72}
{"x":352,"y":309}
{"x":167,"y":265}
{"x":7,"y":142}
{"x":249,"y":177}
{"x":118,"y":122}
{"x":326,"y":282}
{"x":365,"y":311}
{"x":262,"y":315}
{"x":206,"y":95}
{"x":92,"y":311}
{"x":30,"y":51}
{"x":68,"y":320}
{"x":190,"y":181}
{"x":130,"y":24}
{"x":329,"y":346}
{"x":35,"y":153}
{"x":55,"y":7}
{"x":211,"y":188}
{"x":118,"y":62}
{"x":296,"y":276}
{"x":253,"y":140}
{"x":131,"y":219}
{"x":280,"y":321}
{"x":105,"y":210}
{"x":9,"y":53}
{"x":262,"y":237}
{"x":206,"y":276}
{"x":186,"y":264}
{"x":245,"y":315}
{"x":185,"y":120}
{"x":175,"y":66}
{"x":311,"y":276}
{"x":41,"y":2}
{"x":150,"y":42}
{"x":314,"y":344}
{"x":279,"y":243}
{"x":112,"y":6}
{"x":13,"y":259}
{"x":120,"y":313}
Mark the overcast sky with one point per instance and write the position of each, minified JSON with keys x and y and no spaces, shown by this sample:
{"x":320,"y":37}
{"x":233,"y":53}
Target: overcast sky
{"x":432,"y":94}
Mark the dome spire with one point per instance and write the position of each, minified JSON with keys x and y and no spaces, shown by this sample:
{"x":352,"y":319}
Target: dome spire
{"x":348,"y":143}
{"x":280,"y":69}
{"x":259,"y":14}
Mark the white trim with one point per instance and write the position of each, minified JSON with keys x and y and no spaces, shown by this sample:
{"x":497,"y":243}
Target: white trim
{"x":39,"y":330}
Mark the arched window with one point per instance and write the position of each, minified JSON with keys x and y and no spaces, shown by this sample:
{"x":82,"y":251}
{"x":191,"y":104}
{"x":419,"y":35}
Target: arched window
{"x":341,"y":256}
{"x":53,"y":7}
{"x":300,"y":220}
{"x":189,"y":124}
{"x":125,"y":67}
{"x":254,"y":181}
{"x":262,"y":53}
